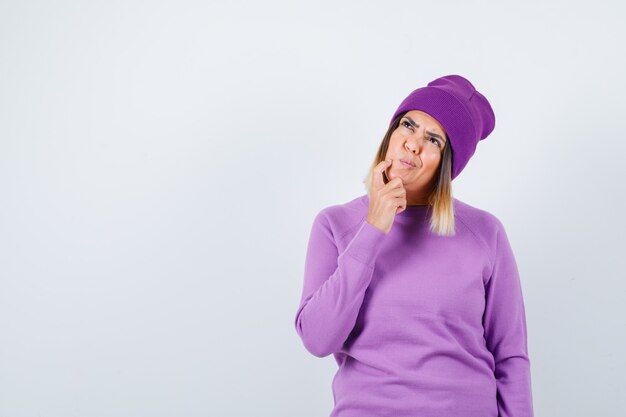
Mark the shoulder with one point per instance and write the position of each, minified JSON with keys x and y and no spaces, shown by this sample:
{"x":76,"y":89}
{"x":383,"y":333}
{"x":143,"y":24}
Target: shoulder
{"x":341,"y":218}
{"x":483,"y":224}
{"x":474,"y":217}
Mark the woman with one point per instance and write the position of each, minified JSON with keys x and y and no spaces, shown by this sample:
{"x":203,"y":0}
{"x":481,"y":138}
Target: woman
{"x":415,"y":293}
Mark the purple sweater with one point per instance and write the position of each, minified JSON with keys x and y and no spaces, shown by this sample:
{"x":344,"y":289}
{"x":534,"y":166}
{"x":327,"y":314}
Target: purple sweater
{"x":420,"y":325}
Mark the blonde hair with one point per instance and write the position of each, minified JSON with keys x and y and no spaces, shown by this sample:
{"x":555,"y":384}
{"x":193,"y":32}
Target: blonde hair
{"x":440,"y":197}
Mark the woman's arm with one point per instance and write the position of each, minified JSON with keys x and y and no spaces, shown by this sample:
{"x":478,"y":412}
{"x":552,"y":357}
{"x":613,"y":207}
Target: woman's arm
{"x":334,"y":284}
{"x":505,"y":332}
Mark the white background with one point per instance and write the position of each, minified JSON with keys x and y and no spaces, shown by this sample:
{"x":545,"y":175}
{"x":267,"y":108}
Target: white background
{"x":161,"y":164}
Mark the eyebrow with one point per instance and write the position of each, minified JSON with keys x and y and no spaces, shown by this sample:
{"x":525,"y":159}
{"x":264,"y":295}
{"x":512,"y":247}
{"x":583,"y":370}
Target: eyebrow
{"x":412,"y":122}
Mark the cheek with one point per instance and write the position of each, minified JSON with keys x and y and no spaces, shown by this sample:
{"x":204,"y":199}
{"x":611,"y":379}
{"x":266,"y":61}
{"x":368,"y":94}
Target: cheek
{"x":434,"y":156}
{"x":433,"y":160}
{"x":397,"y":141}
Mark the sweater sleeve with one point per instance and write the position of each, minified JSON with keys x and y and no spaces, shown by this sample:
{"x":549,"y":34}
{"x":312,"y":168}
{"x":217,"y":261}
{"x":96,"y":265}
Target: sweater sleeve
{"x":334,"y":284}
{"x":504,"y":322}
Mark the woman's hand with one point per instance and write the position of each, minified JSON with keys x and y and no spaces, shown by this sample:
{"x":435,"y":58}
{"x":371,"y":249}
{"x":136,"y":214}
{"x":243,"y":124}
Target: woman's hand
{"x":386,"y":200}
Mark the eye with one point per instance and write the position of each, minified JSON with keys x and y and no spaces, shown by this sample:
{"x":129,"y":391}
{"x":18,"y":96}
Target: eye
{"x":406,"y":124}
{"x":436,"y":141}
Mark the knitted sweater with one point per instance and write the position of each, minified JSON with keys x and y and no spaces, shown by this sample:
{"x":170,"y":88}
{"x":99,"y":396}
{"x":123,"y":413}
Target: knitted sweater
{"x":420,"y":325}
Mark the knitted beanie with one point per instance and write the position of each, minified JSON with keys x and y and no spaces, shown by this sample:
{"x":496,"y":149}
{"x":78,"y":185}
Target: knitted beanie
{"x":464,"y":113}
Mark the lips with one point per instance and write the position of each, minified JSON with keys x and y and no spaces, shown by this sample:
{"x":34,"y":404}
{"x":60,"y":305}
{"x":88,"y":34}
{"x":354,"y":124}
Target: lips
{"x":408,"y":163}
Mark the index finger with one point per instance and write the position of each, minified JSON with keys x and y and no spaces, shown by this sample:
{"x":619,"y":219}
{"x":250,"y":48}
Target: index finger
{"x":377,"y":175}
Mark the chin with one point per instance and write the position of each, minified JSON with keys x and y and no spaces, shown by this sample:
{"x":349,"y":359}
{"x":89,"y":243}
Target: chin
{"x":391,"y":175}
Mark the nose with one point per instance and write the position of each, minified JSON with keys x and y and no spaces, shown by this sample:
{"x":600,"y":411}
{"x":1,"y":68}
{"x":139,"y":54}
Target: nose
{"x":413,"y":145}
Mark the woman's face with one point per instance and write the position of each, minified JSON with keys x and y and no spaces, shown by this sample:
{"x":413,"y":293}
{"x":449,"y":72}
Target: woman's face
{"x":419,"y":139}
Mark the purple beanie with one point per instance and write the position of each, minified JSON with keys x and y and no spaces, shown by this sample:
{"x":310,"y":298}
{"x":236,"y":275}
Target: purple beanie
{"x":464,"y":113}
